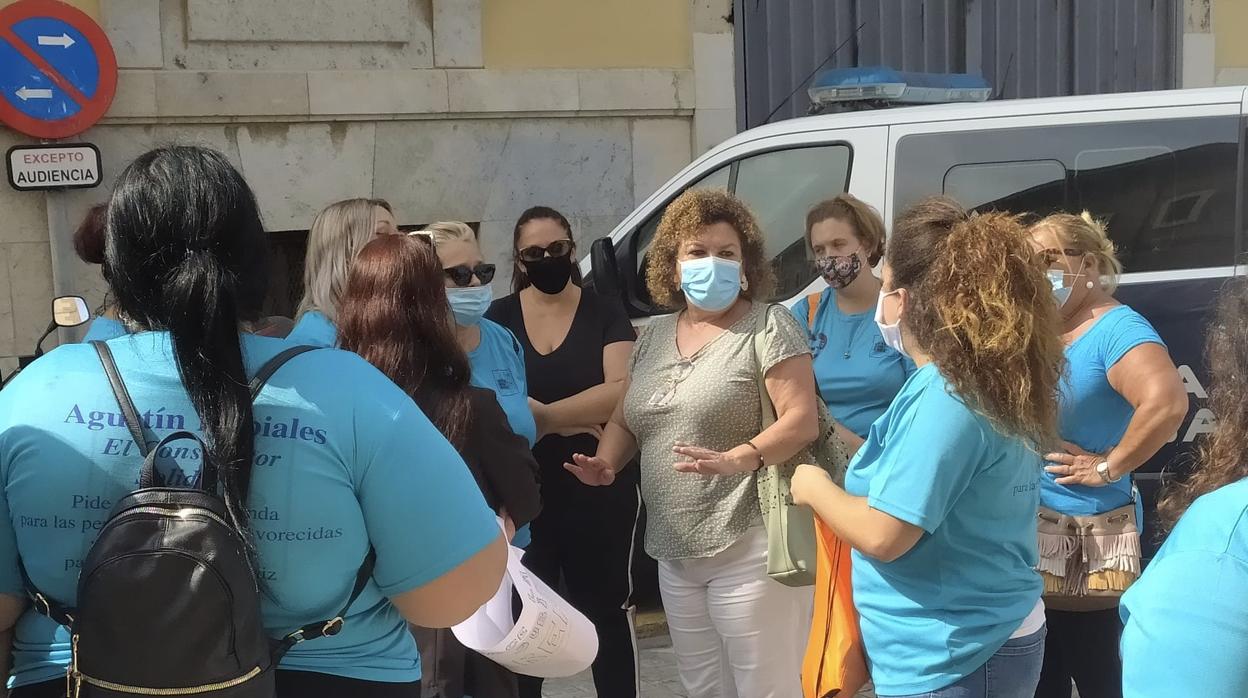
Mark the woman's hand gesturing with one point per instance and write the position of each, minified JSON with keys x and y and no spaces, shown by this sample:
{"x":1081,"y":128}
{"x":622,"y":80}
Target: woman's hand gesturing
{"x":591,"y":470}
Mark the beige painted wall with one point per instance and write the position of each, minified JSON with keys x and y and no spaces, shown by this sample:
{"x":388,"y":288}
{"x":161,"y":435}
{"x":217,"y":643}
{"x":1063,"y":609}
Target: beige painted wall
{"x":1230,"y":22}
{"x":586,"y":33}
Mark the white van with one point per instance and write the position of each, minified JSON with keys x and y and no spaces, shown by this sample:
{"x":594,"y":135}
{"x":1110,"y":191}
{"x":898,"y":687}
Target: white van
{"x":1166,"y":169}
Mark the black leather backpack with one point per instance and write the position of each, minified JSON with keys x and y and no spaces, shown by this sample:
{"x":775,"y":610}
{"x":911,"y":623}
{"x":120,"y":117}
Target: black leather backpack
{"x":168,"y":599}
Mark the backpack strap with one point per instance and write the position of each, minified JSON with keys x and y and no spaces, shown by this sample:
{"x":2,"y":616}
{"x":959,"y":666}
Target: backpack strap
{"x":812,"y":309}
{"x":333,"y":626}
{"x":147,"y":475}
{"x":61,"y":615}
{"x":128,"y":410}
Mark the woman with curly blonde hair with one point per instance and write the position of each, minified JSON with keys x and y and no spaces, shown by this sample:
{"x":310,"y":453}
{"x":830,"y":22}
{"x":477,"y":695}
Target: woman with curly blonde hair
{"x":940,"y":502}
{"x":1186,"y":625}
{"x":692,"y":408}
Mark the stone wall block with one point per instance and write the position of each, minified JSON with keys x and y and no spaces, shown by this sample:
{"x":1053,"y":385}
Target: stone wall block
{"x":375,"y":21}
{"x":298,"y":169}
{"x":377,"y":92}
{"x":25,"y":214}
{"x":661,"y":147}
{"x":714,"y":72}
{"x":513,"y":90}
{"x":457,"y":34}
{"x":136,"y":94}
{"x":30,"y":281}
{"x":7,"y":345}
{"x":708,"y":16}
{"x":636,"y":89}
{"x":231,"y":93}
{"x":133,"y":28}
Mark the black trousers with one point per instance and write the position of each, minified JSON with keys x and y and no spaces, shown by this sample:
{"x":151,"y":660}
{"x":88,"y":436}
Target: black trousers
{"x":1083,"y":646}
{"x":586,"y":535}
{"x":450,"y":670}
{"x":290,"y":684}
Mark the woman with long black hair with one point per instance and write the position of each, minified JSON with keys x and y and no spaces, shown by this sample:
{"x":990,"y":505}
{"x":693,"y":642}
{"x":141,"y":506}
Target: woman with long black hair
{"x":331,"y":460}
{"x":394,"y":313}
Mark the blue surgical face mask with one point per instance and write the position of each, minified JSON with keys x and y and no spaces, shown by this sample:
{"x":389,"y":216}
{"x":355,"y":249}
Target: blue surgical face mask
{"x":891,"y":334}
{"x":468,"y":304}
{"x":1061,"y":292}
{"x":1057,"y":279}
{"x":711,"y":283}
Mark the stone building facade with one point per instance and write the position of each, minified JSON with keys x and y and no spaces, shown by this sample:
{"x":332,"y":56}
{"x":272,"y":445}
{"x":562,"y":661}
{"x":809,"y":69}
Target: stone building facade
{"x":450,"y":109}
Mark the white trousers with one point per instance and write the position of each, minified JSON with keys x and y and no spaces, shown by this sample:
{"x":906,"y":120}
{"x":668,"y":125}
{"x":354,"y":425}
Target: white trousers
{"x":736,"y":632}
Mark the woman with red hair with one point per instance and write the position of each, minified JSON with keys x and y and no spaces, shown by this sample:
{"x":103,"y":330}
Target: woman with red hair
{"x":395,"y":314}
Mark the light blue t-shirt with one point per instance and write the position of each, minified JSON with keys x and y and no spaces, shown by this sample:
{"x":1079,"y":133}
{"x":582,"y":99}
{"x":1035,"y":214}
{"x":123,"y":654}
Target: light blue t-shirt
{"x":312,"y":328}
{"x":1094,"y":416}
{"x":937,"y":613}
{"x":103,"y":328}
{"x":1185,"y":621}
{"x":497,"y":364}
{"x":341,"y":464}
{"x":857,"y":373}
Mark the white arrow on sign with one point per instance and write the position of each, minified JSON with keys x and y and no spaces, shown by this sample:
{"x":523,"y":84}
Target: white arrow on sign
{"x":26,"y":93}
{"x":64,"y":40}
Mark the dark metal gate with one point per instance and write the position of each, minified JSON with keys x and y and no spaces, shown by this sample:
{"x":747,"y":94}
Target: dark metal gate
{"x":1024,"y":48}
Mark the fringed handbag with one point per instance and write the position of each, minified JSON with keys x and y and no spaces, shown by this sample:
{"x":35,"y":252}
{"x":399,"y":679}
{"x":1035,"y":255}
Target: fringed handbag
{"x":1087,"y":562}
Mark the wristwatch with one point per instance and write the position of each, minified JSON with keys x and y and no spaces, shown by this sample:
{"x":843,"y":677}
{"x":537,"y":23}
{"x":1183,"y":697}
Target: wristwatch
{"x":1102,"y":469}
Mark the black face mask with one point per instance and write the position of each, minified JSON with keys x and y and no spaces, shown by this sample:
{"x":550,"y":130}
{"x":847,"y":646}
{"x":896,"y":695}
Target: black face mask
{"x":550,"y":275}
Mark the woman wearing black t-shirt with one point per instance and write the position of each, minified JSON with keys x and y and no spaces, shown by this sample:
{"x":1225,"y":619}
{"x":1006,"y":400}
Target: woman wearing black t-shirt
{"x":576,"y":350}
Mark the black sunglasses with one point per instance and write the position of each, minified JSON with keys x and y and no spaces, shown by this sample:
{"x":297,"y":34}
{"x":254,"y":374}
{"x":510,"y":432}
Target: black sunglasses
{"x":535,"y":253}
{"x":462,"y":275}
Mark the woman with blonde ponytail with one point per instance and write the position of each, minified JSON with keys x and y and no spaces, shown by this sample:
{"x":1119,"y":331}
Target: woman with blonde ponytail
{"x":1121,"y":401}
{"x":940,"y":502}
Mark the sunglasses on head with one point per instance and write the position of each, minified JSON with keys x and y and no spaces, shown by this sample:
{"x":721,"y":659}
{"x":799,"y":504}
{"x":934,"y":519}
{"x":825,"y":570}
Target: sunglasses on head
{"x":1052,"y":255}
{"x":535,"y":253}
{"x":462,"y":275}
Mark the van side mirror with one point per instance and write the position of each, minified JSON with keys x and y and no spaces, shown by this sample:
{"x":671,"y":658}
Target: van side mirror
{"x":606,"y":268}
{"x":70,"y":311}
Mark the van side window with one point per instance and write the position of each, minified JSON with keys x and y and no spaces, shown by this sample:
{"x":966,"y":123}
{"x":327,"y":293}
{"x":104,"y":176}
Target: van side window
{"x":779,"y":186}
{"x":1165,"y":187}
{"x":1037,"y":186}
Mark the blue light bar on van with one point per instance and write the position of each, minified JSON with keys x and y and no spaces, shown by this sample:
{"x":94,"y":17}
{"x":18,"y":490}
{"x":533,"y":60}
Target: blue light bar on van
{"x":881,"y":83}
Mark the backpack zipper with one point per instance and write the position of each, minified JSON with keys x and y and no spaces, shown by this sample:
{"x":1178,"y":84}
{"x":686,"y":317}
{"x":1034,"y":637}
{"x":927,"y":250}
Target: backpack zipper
{"x":181,"y":513}
{"x":74,"y":679}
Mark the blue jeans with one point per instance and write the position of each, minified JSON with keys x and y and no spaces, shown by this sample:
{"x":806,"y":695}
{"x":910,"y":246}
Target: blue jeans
{"x":1012,"y":672}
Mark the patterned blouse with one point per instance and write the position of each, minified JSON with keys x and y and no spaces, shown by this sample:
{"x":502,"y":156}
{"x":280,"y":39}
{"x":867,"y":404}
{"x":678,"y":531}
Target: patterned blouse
{"x":710,"y":400}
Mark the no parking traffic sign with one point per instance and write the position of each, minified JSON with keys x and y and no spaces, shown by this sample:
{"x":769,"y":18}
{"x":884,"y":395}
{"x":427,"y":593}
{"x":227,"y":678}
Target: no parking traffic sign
{"x":58,"y":73}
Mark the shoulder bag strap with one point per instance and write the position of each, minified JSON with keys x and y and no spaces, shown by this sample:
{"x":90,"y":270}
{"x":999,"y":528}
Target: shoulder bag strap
{"x":812,"y":309}
{"x":333,"y":626}
{"x":270,"y":367}
{"x":760,"y":351}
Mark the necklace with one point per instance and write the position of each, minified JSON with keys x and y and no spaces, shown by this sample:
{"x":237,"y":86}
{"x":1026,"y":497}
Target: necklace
{"x":853,"y":336}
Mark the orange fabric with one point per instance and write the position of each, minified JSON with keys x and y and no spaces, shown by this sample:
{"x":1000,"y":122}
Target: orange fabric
{"x":812,"y":307}
{"x":835,"y":663}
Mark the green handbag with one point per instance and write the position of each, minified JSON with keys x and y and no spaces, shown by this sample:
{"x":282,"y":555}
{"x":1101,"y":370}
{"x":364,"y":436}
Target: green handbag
{"x":790,"y":527}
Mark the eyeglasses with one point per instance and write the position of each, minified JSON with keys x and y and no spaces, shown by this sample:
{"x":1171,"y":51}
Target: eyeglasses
{"x":1050,"y":256}
{"x":462,"y":274}
{"x":535,"y":253}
